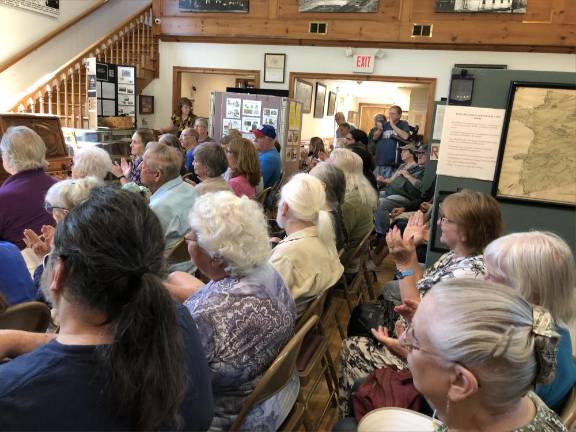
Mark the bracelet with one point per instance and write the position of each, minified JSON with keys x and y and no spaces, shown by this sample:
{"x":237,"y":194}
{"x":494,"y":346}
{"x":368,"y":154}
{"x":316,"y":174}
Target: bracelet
{"x":121,"y":177}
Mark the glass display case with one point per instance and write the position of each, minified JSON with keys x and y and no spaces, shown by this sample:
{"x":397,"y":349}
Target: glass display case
{"x":114,"y":141}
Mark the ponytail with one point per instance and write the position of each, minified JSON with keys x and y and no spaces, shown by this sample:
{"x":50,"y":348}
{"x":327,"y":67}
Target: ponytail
{"x":326,"y":229}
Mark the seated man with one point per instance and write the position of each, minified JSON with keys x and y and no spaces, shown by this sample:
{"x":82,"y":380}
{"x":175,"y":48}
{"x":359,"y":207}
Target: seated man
{"x":91,"y":161}
{"x":172,"y":198}
{"x":307,"y":259}
{"x":270,"y":163}
{"x":22,"y":194}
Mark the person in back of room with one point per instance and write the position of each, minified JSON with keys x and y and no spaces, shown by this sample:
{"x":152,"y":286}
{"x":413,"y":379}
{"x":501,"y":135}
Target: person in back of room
{"x":357,"y":141}
{"x":22,"y":194}
{"x":128,"y":172}
{"x":244,"y":167}
{"x":379,"y":120}
{"x":189,"y":140}
{"x":270,"y":163}
{"x":386,"y":145}
{"x":125,"y":357}
{"x":201,"y":126}
{"x":342,"y":128}
{"x":182,"y":118}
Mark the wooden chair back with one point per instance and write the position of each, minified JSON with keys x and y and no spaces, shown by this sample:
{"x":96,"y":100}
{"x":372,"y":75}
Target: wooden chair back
{"x":178,"y":253}
{"x":263,"y":195}
{"x":30,"y":316}
{"x":278,"y":374}
{"x":316,"y":307}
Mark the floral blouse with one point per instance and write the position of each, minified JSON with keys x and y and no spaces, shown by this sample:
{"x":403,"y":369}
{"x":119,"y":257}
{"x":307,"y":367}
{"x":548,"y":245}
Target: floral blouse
{"x":545,"y":419}
{"x":183,"y":124}
{"x":451,"y":267}
{"x":134,"y":175}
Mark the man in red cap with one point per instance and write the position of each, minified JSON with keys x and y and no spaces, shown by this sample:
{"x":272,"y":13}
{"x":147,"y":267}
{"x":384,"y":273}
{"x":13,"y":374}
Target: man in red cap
{"x":270,"y":163}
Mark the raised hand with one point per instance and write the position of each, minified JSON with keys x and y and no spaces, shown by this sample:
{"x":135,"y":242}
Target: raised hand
{"x":125,"y":165}
{"x":415,"y":229}
{"x":38,"y":244}
{"x":407,"y":310}
{"x":402,"y":250}
{"x":381,"y":334}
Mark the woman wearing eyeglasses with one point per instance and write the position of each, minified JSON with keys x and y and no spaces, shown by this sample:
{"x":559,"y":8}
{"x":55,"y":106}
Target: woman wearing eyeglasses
{"x":476,"y":350}
{"x":470,"y":220}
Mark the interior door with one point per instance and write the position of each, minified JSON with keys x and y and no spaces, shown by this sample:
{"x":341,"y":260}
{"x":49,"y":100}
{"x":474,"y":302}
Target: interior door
{"x":367,"y":113}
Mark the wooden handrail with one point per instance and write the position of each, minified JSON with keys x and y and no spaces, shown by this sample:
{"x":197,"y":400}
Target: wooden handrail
{"x":20,"y":55}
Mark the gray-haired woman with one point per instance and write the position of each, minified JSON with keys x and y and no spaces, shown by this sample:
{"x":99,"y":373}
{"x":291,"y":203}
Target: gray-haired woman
{"x":210,"y":163}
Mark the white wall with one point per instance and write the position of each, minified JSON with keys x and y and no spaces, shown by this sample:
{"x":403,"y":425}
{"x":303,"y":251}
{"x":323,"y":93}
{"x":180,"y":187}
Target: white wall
{"x":399,"y":62}
{"x":15,"y":81}
{"x":321,"y":127}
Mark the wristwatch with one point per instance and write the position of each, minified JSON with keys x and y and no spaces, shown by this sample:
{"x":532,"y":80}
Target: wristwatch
{"x":404,"y":273}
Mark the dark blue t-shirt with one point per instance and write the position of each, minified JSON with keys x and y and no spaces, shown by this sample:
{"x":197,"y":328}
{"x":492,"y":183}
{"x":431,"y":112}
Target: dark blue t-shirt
{"x":386,"y":153}
{"x":16,"y":285}
{"x":55,"y":388}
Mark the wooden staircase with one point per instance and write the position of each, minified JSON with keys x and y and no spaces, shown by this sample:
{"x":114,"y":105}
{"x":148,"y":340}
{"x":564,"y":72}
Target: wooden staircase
{"x":65,"y":92}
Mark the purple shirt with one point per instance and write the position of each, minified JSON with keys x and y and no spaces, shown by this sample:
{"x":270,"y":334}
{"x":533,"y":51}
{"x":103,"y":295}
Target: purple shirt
{"x":22,"y":205}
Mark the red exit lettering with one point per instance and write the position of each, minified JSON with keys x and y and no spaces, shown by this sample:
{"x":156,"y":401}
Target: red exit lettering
{"x":363,"y":61}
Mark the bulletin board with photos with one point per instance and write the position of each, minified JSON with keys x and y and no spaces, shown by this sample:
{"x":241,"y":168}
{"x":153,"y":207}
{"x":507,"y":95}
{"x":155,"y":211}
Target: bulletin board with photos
{"x":116,"y":90}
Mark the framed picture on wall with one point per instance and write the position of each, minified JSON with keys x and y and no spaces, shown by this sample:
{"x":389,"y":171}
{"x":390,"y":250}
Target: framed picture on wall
{"x":536,"y":160}
{"x":320,"y":100}
{"x":303,"y":91}
{"x":241,"y":6}
{"x":274,"y":67}
{"x":331,"y":104}
{"x":146,"y":104}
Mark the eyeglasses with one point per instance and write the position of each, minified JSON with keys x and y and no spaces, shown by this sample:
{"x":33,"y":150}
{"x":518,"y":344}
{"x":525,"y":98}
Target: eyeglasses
{"x":444,"y":219}
{"x":409,"y":342}
{"x":50,"y":208}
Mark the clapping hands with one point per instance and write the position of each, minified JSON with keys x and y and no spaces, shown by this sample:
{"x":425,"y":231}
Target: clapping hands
{"x":403,"y":246}
{"x":40,"y":244}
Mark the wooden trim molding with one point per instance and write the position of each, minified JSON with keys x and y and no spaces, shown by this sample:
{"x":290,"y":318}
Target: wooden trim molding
{"x":431,"y":82}
{"x":19,"y":56}
{"x":177,"y":78}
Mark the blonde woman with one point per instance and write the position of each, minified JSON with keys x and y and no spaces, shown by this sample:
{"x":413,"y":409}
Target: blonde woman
{"x":540,"y":266}
{"x":244,"y":166}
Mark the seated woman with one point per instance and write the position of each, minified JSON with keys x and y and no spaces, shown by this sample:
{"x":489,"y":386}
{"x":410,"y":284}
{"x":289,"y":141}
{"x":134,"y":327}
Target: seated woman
{"x":357,"y":141}
{"x":469,"y":221}
{"x":307,"y":258}
{"x":125,"y":356}
{"x":245,"y":314}
{"x":316,"y":153}
{"x":24,"y":157}
{"x":476,"y":350}
{"x":359,"y":204}
{"x":91,"y":161}
{"x":334,"y":182}
{"x":541,"y":267}
{"x":128,"y":172}
{"x":245,"y":167}
{"x":210,"y":164}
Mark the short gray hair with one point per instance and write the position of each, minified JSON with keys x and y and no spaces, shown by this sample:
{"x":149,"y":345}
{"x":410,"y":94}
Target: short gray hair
{"x":213,"y":157}
{"x":23,"y":149}
{"x":233,"y":229}
{"x":334,"y":179}
{"x":201,"y":121}
{"x":487,"y":328}
{"x":171,"y":140}
{"x":539,"y":265}
{"x":164,"y":158}
{"x":72,"y":192}
{"x":91,"y":161}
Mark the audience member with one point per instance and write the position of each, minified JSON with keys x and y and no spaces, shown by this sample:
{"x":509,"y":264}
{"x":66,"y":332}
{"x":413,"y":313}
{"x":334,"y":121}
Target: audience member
{"x":270,"y":163}
{"x":379,"y":120}
{"x":359,"y":204}
{"x":128,"y":172}
{"x":91,"y":161}
{"x":232,"y":133}
{"x":316,"y":153}
{"x":210,"y":164}
{"x":476,"y":350}
{"x":124,"y":358}
{"x":541,"y":267}
{"x":172,"y":198}
{"x":189,"y":140}
{"x":24,"y":158}
{"x":244,"y":167}
{"x":342,"y":127}
{"x":307,"y":258}
{"x":16,"y":285}
{"x":469,"y":221}
{"x":386,"y":145}
{"x":182,"y":118}
{"x":245,"y":314}
{"x":172,"y":140}
{"x":334,"y":182}
{"x":357,"y":141}
{"x":201,"y":126}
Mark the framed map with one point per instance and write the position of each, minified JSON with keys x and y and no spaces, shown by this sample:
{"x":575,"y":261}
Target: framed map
{"x":537,"y":156}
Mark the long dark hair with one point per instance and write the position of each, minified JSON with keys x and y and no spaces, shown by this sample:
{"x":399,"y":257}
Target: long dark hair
{"x":112,"y":250}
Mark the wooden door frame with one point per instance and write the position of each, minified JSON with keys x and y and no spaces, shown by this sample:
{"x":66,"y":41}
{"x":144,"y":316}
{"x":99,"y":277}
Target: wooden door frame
{"x":177,"y":78}
{"x":368,"y":104}
{"x":431,"y":82}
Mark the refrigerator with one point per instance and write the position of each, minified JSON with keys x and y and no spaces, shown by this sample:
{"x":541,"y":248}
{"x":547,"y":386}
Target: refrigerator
{"x":245,"y":112}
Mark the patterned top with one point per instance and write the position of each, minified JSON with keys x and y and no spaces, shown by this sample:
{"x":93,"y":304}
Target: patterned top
{"x":451,"y":267}
{"x":180,"y":124}
{"x":545,"y":419}
{"x":243,"y":324}
{"x":134,"y":175}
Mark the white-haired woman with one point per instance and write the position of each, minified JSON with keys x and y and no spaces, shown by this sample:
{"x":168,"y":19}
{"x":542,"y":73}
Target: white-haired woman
{"x":359,"y":203}
{"x":307,"y":258}
{"x":245,"y":313}
{"x":24,"y":157}
{"x":541,"y":267}
{"x":91,"y":161}
{"x":476,"y":350}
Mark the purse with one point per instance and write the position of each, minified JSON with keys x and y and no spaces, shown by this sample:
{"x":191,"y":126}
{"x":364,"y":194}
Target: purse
{"x":367,"y":316}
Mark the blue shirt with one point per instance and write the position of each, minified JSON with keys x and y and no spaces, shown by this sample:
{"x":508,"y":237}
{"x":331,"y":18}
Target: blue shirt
{"x":189,"y":159}
{"x":16,"y":285}
{"x":555,"y":393}
{"x":55,"y":388}
{"x":386,"y":153}
{"x":271,"y":166}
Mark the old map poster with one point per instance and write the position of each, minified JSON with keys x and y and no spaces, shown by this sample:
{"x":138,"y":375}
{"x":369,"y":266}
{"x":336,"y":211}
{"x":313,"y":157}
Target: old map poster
{"x":538,"y":162}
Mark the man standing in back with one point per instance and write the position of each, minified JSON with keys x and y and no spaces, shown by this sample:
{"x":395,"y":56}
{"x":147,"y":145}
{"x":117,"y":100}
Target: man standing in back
{"x":270,"y":163}
{"x":386,"y":145}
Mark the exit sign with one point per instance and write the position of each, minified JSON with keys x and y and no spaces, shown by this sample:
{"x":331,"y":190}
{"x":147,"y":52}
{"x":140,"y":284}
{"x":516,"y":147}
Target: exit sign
{"x":363,"y":63}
